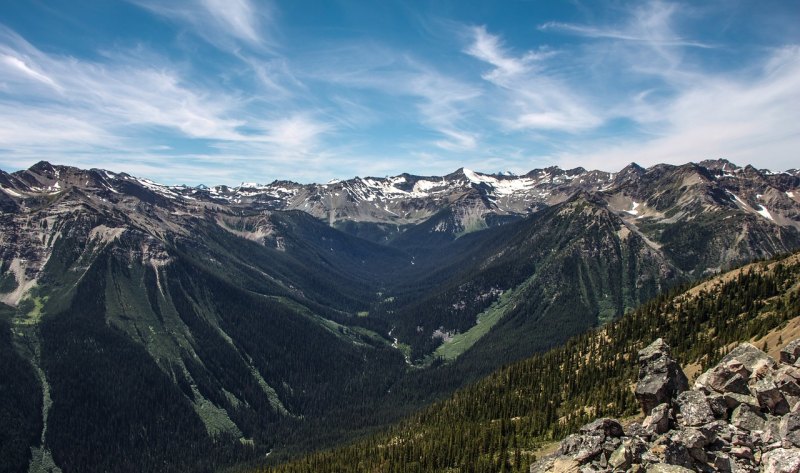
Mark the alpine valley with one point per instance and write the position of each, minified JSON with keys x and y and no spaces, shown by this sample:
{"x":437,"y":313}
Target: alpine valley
{"x":169,"y":328}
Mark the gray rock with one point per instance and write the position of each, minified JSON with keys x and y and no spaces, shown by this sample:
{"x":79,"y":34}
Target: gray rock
{"x":660,"y":377}
{"x":786,"y":378}
{"x":694,"y":440}
{"x":791,"y":352}
{"x":722,"y":462}
{"x":747,"y":418}
{"x":664,"y":468}
{"x":582,"y":448}
{"x":781,"y":460}
{"x":659,"y":419}
{"x":608,"y":427}
{"x":718,"y":405}
{"x":694,"y":409}
{"x":733,"y":400}
{"x":750,"y":358}
{"x":742,"y":452}
{"x":789,"y":430}
{"x":771,"y":435}
{"x":621,"y":459}
{"x":769,"y":396}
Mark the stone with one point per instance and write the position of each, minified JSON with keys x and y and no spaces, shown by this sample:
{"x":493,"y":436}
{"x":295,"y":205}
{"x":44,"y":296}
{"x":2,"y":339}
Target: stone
{"x":582,"y":448}
{"x":608,"y":427}
{"x":621,"y":459}
{"x":771,"y":435}
{"x":747,"y":418}
{"x":730,"y":377}
{"x":742,"y":452}
{"x":789,"y":430}
{"x":786,"y":380}
{"x":664,"y":468}
{"x":677,"y":454}
{"x":659,"y":419}
{"x":733,"y":400}
{"x":791,"y":352}
{"x":750,"y":358}
{"x":718,"y":405}
{"x":781,"y":460}
{"x":769,"y":396}
{"x":660,"y":377}
{"x":694,"y":440}
{"x":693,"y":408}
{"x":722,"y":462}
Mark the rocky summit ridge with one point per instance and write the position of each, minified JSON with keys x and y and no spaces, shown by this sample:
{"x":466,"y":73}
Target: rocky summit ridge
{"x":742,"y":415}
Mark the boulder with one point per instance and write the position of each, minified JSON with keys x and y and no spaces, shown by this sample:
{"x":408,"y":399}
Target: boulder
{"x":607,"y":427}
{"x":660,"y":377}
{"x":750,"y":357}
{"x":659,"y":419}
{"x":693,"y":408}
{"x":781,"y":460}
{"x":718,"y":405}
{"x":582,"y":448}
{"x":747,"y":418}
{"x":791,"y":352}
{"x":769,"y":396}
{"x":733,"y":400}
{"x":789,"y":430}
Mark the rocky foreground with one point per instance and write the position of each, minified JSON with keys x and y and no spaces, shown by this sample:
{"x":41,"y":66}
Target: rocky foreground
{"x":743,"y":415}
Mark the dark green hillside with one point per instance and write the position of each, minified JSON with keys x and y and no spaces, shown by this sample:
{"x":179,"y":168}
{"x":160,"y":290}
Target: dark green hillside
{"x":201,"y":351}
{"x":495,"y":424}
{"x":20,"y":402}
{"x":566,"y":268}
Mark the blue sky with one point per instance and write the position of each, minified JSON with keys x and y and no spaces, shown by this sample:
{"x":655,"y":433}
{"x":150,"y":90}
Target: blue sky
{"x":224,"y":91}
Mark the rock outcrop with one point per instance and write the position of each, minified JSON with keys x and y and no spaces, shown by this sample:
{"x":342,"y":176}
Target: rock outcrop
{"x":742,"y":415}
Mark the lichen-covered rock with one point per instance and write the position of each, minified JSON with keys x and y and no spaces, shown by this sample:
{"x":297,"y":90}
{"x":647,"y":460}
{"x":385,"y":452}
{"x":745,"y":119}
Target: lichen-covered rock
{"x":781,"y":460}
{"x":733,"y":400}
{"x":608,"y":427}
{"x":660,"y":377}
{"x":693,"y":409}
{"x":747,"y":418}
{"x":749,"y":356}
{"x":769,"y":396}
{"x":789,"y":430}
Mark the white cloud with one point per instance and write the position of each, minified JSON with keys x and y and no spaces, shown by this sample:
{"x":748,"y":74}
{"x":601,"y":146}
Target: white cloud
{"x":531,"y":96}
{"x":218,"y":21}
{"x":749,"y":119}
{"x":19,"y":65}
{"x":440,"y":101}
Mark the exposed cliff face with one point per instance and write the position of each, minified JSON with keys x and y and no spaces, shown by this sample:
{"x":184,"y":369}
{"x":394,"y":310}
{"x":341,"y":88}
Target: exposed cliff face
{"x":741,"y":415}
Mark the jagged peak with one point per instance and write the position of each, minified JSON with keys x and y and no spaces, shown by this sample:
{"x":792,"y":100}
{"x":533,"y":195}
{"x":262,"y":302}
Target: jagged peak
{"x":720,"y":164}
{"x":42,"y":166}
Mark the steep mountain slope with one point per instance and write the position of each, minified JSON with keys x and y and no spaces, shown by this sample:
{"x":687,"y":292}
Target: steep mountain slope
{"x":498,"y":423}
{"x":157,"y":329}
{"x":555,"y":273}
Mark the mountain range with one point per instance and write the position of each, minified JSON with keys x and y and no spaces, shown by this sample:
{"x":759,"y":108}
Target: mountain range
{"x":143,"y":323}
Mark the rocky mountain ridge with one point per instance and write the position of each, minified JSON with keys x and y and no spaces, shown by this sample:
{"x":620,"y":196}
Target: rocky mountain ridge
{"x":742,"y":415}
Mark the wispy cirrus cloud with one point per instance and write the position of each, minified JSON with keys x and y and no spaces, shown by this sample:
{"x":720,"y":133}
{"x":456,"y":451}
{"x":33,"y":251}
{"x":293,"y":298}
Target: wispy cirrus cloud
{"x":128,"y":102}
{"x":220,"y":22}
{"x":536,"y":98}
{"x":439,"y":102}
{"x":740,"y":118}
{"x":649,"y":22}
